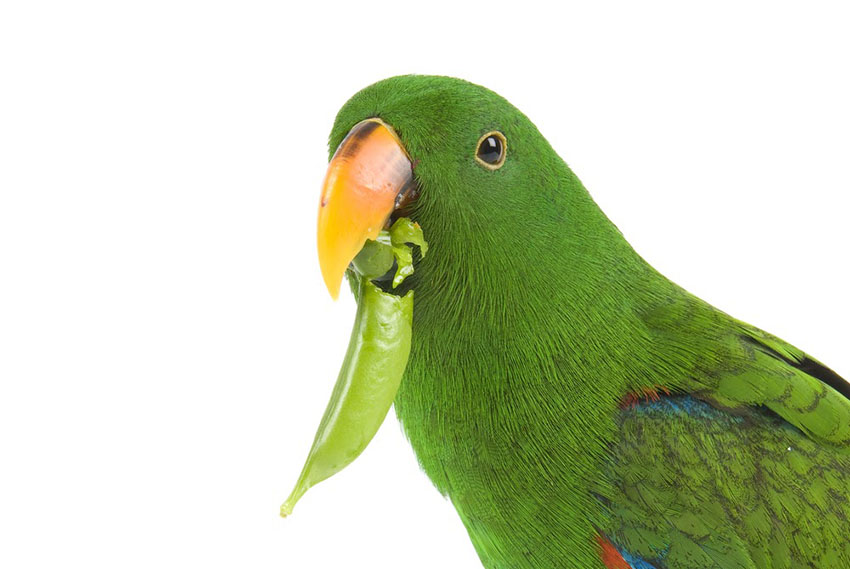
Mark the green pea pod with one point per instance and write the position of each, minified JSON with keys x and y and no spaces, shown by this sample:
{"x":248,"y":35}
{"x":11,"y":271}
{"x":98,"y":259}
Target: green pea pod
{"x":364,"y":391}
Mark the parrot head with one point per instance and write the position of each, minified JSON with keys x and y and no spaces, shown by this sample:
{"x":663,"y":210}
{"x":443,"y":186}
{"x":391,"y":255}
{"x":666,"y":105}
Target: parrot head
{"x":456,"y":158}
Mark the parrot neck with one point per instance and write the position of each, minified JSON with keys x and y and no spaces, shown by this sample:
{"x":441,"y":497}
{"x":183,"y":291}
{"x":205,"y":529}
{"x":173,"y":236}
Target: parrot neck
{"x":517,"y":365}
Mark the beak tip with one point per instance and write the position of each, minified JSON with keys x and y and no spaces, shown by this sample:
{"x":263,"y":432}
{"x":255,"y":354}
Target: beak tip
{"x":333,"y":286}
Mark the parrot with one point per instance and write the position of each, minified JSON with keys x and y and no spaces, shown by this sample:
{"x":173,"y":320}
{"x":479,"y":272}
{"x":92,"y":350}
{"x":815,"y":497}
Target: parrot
{"x":576,"y":407}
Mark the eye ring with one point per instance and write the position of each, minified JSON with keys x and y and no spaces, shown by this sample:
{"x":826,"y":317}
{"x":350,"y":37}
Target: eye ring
{"x":491,"y":150}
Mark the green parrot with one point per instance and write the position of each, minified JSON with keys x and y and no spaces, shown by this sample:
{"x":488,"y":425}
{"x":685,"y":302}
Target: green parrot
{"x":576,"y":407}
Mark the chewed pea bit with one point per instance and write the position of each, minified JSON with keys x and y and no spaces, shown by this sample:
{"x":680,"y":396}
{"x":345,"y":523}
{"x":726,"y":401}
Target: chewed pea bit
{"x":376,"y":258}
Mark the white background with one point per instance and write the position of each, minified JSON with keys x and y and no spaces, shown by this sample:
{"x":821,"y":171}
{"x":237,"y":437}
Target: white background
{"x":166,"y":344}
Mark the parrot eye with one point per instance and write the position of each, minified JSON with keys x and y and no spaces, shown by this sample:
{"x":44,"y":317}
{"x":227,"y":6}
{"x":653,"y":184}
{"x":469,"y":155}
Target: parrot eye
{"x":491,"y":150}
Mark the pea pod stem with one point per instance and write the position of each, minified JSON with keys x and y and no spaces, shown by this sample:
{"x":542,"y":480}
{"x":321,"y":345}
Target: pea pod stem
{"x":365,"y":388}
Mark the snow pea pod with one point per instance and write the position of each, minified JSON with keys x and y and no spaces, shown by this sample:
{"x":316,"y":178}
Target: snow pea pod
{"x":365,"y":388}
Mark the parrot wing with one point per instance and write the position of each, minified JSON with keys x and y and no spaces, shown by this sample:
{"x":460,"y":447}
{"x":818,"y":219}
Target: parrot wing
{"x":744,"y":462}
{"x":737,"y":367}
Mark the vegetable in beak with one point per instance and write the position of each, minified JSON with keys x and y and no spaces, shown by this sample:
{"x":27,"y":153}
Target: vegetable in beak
{"x":374,"y":363}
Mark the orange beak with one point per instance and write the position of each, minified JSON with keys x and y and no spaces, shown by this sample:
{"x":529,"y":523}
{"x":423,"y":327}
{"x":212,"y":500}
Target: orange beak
{"x":367,"y":177}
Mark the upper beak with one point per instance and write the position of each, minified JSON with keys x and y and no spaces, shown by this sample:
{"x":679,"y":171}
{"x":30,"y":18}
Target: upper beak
{"x":368,"y":176}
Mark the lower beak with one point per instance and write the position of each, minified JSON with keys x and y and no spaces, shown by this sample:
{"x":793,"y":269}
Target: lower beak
{"x":368,"y":176}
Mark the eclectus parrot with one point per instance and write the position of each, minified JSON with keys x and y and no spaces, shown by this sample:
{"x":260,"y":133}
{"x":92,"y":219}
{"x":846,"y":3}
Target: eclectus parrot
{"x":576,"y":407}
